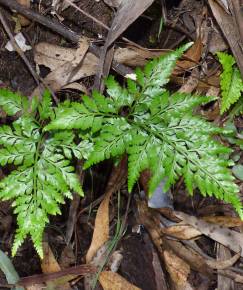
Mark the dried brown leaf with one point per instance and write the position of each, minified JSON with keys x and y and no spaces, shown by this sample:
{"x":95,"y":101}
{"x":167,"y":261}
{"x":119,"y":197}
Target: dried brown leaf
{"x":194,"y":53}
{"x":101,"y":229}
{"x":49,"y":264}
{"x":113,"y":281}
{"x":178,"y":270}
{"x":68,"y":65}
{"x":183,"y":232}
{"x":229,"y":238}
{"x":127,"y":13}
{"x":223,"y":264}
{"x":226,"y":221}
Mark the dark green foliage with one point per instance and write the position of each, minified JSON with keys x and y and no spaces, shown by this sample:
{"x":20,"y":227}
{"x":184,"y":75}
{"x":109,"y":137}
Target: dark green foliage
{"x":158,"y":130}
{"x":44,"y":175}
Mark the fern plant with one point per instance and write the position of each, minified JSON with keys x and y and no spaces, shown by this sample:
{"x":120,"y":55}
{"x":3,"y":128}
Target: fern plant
{"x":158,"y":130}
{"x":42,"y":174}
{"x":231,"y":84}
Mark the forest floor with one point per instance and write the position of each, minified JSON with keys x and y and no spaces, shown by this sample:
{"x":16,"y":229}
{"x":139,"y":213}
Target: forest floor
{"x":180,"y":242}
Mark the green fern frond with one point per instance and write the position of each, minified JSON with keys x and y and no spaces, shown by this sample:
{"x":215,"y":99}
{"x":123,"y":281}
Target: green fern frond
{"x":110,"y":142}
{"x":44,"y":174}
{"x":237,"y":110}
{"x":158,"y":71}
{"x":230,"y":81}
{"x":11,"y":102}
{"x":121,"y":97}
{"x":159,"y":131}
{"x":92,"y":113}
{"x":45,"y":106}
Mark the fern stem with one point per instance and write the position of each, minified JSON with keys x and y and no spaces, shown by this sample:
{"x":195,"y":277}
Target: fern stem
{"x":35,"y":170}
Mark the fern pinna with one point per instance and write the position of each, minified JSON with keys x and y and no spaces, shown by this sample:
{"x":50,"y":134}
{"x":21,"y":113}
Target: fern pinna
{"x":158,"y":130}
{"x":231,"y":84}
{"x":43,"y":175}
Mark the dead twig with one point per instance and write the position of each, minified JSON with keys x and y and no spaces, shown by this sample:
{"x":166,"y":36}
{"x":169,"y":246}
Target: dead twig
{"x":81,"y":270}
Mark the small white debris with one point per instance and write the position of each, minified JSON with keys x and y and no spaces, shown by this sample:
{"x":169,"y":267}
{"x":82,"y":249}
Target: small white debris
{"x":21,"y":41}
{"x":131,"y":76}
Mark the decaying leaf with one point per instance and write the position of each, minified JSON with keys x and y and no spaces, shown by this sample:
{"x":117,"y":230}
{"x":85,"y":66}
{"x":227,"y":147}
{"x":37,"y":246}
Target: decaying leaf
{"x":101,"y":230}
{"x":76,"y":86}
{"x":194,"y":53}
{"x":183,"y":232}
{"x":68,"y":65}
{"x":226,"y":221}
{"x":229,"y":238}
{"x":178,"y":270}
{"x":50,"y":265}
{"x":134,"y":56}
{"x":223,"y":264}
{"x":128,"y":12}
{"x":113,"y":281}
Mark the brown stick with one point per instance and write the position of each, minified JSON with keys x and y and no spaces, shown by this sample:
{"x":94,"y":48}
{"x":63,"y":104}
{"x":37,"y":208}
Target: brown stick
{"x":52,"y":24}
{"x":81,"y":270}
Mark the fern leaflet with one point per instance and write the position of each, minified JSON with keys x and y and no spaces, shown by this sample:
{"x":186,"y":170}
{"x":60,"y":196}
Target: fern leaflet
{"x":230,"y":81}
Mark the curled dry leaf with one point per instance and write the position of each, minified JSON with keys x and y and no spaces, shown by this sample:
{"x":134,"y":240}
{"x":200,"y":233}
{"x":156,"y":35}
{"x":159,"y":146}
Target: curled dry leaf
{"x":101,"y":230}
{"x":113,"y":281}
{"x":183,"y":232}
{"x":190,"y":256}
{"x":229,"y":238}
{"x":223,"y":264}
{"x":194,"y":53}
{"x":230,"y":30}
{"x":49,"y":263}
{"x":226,"y":221}
{"x":151,"y":220}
